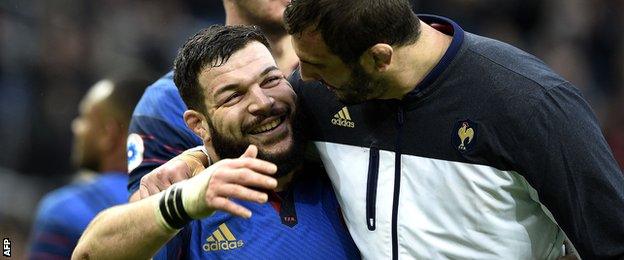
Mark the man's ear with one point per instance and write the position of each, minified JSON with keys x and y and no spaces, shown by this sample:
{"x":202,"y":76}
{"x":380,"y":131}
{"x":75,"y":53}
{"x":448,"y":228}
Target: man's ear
{"x":198,"y":123}
{"x":377,"y":58}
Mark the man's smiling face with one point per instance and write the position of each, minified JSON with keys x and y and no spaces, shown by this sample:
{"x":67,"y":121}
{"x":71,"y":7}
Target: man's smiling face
{"x":249,"y":101}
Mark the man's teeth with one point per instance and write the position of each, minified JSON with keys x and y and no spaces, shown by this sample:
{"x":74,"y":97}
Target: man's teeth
{"x":266,"y":127}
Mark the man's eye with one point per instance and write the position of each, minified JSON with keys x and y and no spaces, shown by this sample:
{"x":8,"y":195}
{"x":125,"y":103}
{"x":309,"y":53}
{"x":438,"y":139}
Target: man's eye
{"x":272,"y":80}
{"x":231,"y":98}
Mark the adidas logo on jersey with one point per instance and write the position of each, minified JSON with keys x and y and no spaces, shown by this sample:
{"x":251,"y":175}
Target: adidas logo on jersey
{"x":222,"y":239}
{"x":342,"y":118}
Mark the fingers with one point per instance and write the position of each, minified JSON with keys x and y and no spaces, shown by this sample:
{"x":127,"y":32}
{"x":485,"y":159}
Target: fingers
{"x":251,"y":152}
{"x":242,"y":193}
{"x":149,"y":186}
{"x":256,"y":165}
{"x":229,"y":206}
{"x":143,"y":192}
{"x":176,"y":171}
{"x":162,"y":177}
{"x":246,"y":177}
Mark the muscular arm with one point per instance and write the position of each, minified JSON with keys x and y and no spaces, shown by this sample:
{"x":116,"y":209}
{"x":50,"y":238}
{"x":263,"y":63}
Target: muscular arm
{"x":129,"y":231}
{"x":137,"y":230}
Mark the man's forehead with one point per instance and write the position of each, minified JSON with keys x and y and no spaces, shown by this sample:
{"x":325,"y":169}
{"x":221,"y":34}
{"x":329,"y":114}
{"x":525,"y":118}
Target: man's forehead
{"x":96,"y":94}
{"x":310,"y":46}
{"x":250,"y":61}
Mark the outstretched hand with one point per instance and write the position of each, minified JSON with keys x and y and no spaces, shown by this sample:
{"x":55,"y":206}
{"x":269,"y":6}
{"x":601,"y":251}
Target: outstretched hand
{"x":241,"y":178}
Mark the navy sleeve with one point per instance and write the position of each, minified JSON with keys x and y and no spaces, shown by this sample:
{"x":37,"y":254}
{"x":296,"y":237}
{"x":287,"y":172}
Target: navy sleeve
{"x":563,"y":155}
{"x":157,"y":130}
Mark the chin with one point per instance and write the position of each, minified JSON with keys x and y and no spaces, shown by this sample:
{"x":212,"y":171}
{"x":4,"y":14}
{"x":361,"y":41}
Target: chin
{"x":281,"y":148}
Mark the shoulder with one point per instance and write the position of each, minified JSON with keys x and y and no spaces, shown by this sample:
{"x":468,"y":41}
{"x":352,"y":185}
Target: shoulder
{"x":161,"y":100}
{"x":508,"y":64}
{"x":110,"y":179}
{"x":79,"y":200}
{"x":504,"y":79}
{"x":58,"y":206}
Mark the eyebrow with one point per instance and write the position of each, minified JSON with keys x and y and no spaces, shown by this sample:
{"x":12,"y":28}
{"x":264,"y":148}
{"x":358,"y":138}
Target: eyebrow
{"x":318,"y":65}
{"x":268,"y":69}
{"x":308,"y":62}
{"x":235,"y":86}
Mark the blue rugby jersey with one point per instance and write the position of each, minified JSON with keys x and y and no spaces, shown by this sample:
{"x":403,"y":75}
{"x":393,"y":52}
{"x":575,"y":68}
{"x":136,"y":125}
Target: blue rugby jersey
{"x":65,"y":213}
{"x":303,"y":222}
{"x":157,"y":130}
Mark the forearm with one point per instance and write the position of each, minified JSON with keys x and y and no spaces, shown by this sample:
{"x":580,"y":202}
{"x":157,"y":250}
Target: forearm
{"x":130,"y":231}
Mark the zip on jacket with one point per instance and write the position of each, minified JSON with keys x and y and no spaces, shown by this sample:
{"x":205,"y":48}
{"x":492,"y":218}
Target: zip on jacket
{"x":371,"y":187}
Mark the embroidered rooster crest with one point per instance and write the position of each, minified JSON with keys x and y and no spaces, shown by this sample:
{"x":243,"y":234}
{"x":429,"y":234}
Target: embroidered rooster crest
{"x":464,"y":135}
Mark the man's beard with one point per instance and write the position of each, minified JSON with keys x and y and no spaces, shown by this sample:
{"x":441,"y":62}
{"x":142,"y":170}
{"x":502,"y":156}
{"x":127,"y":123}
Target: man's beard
{"x":286,"y":161}
{"x":361,"y":87}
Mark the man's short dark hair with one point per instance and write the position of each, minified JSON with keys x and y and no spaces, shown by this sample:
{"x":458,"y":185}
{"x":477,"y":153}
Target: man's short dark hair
{"x":350,"y":27}
{"x":212,"y":47}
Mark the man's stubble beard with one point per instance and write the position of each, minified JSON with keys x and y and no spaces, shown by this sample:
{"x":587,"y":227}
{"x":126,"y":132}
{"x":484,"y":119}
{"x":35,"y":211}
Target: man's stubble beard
{"x":360,"y":88}
{"x":286,"y":161}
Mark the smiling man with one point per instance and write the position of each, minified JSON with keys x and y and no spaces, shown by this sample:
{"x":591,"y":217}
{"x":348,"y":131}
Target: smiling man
{"x":236,"y":97}
{"x":157,"y":130}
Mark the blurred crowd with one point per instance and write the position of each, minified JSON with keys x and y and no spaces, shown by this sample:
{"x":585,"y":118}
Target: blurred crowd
{"x":52,"y":51}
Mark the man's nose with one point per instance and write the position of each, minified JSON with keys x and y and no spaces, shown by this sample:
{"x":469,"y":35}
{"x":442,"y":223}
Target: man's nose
{"x":261,"y":103}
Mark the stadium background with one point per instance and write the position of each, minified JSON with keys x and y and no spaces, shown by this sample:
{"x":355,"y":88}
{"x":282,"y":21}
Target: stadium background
{"x":52,"y":51}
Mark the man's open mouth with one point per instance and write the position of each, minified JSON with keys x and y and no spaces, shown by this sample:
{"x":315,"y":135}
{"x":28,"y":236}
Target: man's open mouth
{"x":268,"y":126}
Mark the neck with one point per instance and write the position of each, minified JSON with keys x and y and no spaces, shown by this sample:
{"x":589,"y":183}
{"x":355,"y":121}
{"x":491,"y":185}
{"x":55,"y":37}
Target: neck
{"x":285,"y":56}
{"x":114,"y":163}
{"x":115,"y":157}
{"x":284,"y":181}
{"x":415,"y":61}
{"x":280,"y":41}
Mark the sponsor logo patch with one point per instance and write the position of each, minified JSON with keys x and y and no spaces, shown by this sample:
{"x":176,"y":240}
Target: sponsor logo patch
{"x":135,"y":150}
{"x":222,"y":239}
{"x":343,"y":118}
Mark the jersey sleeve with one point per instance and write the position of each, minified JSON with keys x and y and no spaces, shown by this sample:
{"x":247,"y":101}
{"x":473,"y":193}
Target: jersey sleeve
{"x":54,"y":234}
{"x":157,"y":130}
{"x":563,"y":155}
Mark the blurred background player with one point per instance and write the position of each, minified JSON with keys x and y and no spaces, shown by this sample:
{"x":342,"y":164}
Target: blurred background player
{"x":99,"y":150}
{"x":157,"y":130}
